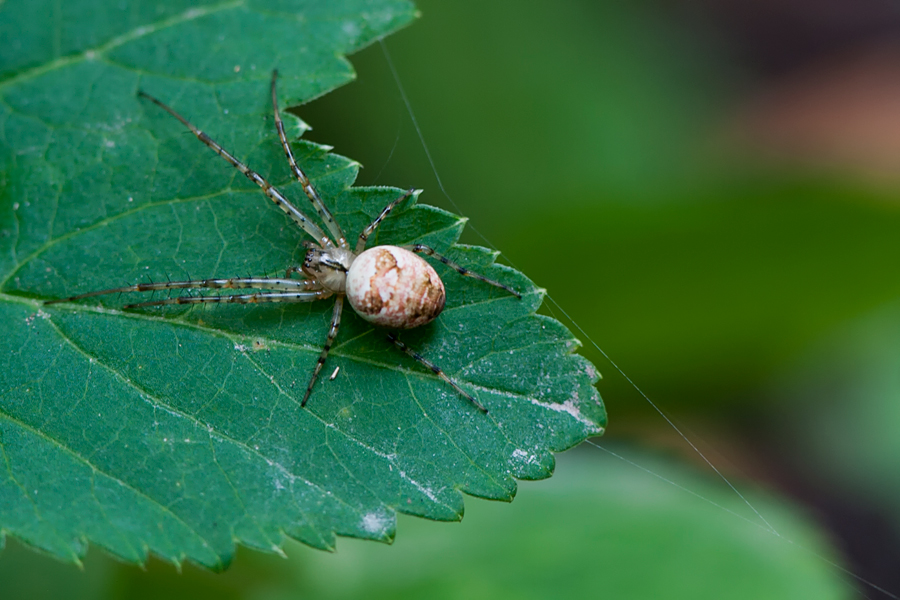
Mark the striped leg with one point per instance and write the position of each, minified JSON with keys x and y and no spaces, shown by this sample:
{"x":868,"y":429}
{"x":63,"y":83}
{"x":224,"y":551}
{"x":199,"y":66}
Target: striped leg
{"x":332,"y":333}
{"x":256,"y":298}
{"x":428,"y":251}
{"x":234,"y":283}
{"x":311,"y":192}
{"x":436,"y":370}
{"x":277,"y":197}
{"x":364,"y":236}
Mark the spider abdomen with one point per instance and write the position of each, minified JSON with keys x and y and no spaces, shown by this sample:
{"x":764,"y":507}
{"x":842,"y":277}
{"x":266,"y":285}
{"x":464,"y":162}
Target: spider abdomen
{"x":392,"y":287}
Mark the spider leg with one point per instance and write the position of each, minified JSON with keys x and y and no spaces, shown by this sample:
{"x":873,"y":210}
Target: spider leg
{"x":311,"y":192}
{"x":428,"y":251}
{"x":436,"y":370}
{"x":234,"y":283}
{"x":256,"y":298}
{"x":277,"y":197}
{"x":364,"y":236}
{"x":332,"y":333}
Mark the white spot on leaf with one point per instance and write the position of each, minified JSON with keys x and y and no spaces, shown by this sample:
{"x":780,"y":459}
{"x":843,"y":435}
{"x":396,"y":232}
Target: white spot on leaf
{"x":377,"y":522}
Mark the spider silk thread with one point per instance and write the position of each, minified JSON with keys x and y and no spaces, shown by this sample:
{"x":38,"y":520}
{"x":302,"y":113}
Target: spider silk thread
{"x":764,"y":523}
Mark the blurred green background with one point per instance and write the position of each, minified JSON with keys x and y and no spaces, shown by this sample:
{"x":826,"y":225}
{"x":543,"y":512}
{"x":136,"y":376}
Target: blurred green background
{"x":710,"y":190}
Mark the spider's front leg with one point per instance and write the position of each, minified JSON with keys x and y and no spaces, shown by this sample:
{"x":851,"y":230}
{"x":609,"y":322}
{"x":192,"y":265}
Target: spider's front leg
{"x":276,"y":290}
{"x":333,"y":227}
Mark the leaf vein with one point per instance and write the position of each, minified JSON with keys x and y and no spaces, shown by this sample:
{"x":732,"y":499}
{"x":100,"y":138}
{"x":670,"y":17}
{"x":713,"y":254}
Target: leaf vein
{"x":54,"y":442}
{"x":136,"y":33}
{"x":159,"y":403}
{"x":449,"y":437}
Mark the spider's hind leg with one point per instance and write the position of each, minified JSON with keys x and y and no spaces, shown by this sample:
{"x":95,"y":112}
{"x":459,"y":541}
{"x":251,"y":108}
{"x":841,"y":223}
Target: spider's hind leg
{"x":370,"y":229}
{"x":436,"y":370}
{"x":429,"y":251}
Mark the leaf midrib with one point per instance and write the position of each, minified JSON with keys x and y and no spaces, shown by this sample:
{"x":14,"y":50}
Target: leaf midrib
{"x":239,"y":339}
{"x":159,"y":403}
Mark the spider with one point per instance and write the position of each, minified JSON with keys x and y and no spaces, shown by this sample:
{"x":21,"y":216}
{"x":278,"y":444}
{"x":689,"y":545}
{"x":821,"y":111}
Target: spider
{"x":389,"y":286}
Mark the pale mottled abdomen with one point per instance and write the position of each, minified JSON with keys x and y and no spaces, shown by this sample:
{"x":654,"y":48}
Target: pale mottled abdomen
{"x":392,"y":287}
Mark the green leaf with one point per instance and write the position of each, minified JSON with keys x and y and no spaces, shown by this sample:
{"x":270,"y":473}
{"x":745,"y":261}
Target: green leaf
{"x":179,"y":431}
{"x":556,"y":541}
{"x":561,"y":540}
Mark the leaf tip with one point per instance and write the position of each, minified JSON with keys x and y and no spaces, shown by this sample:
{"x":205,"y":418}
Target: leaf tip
{"x":301,"y":126}
{"x":380,"y":525}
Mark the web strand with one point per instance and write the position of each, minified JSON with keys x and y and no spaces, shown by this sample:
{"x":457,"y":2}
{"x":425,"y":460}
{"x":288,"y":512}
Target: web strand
{"x":769,"y":529}
{"x":418,"y":129}
{"x":764,"y":523}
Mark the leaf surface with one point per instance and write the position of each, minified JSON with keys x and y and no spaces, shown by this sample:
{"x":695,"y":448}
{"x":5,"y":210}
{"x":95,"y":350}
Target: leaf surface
{"x":178,"y":430}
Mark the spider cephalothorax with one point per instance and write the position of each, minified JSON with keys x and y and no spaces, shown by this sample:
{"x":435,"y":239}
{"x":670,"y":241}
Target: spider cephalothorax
{"x":389,"y":286}
{"x":328,"y":266}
